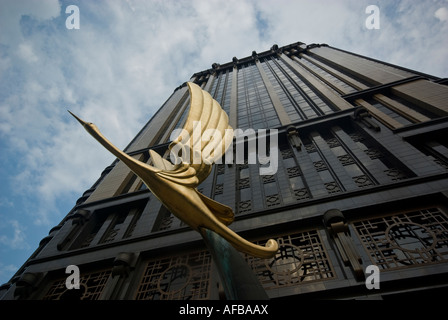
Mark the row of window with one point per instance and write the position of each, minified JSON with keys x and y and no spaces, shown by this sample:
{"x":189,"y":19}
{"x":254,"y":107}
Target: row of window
{"x":255,"y":108}
{"x":330,"y":162}
{"x":254,"y":104}
{"x":299,"y":100}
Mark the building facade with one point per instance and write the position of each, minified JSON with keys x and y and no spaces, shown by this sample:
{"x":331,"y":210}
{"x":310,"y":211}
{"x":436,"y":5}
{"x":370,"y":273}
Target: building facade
{"x":360,"y":181}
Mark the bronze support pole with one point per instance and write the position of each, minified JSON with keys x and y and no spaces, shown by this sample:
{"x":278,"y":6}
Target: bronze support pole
{"x":238,"y":280}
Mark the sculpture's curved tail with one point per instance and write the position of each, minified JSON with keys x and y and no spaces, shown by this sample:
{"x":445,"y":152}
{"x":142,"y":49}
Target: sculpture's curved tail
{"x":241,"y":244}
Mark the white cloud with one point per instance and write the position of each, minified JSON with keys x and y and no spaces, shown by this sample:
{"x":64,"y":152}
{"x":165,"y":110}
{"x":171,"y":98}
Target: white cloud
{"x":408,"y":35}
{"x":25,"y":51}
{"x":11,"y":11}
{"x":18,"y":238}
{"x":442,"y":14}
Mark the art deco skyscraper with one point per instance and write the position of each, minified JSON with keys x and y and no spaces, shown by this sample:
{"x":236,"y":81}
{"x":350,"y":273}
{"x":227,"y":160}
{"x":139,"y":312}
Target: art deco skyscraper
{"x":361,"y":180}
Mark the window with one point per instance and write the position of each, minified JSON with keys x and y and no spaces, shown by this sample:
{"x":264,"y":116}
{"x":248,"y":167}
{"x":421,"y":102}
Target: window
{"x":434,"y":146}
{"x":253,"y":100}
{"x":391,"y":167}
{"x":108,"y":225}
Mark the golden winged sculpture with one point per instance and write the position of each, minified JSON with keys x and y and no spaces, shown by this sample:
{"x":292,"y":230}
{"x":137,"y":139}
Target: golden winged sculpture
{"x":175,"y":185}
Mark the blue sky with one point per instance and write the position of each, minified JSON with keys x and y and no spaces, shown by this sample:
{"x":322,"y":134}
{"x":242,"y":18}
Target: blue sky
{"x":126,"y":59}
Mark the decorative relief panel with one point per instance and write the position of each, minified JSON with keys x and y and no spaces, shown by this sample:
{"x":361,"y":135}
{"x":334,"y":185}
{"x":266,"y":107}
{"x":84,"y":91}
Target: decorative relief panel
{"x":244,"y":206}
{"x":363,"y":181}
{"x":301,"y":194}
{"x":185,"y":277}
{"x":332,"y":187}
{"x":302,"y":257}
{"x":273,"y":200}
{"x":91,"y":286}
{"x":405,"y":239}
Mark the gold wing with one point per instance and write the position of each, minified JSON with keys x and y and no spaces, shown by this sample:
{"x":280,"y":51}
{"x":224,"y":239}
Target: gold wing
{"x":204,"y":139}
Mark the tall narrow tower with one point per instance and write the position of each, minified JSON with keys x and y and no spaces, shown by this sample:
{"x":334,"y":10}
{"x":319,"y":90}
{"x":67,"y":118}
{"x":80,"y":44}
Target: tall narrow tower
{"x":356,"y":198}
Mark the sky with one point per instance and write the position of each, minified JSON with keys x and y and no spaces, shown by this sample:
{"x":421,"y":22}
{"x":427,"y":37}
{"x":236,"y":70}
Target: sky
{"x":123,"y":61}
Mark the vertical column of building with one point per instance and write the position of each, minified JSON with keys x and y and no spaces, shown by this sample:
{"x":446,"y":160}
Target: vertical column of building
{"x":211,"y":78}
{"x":281,"y":113}
{"x":334,"y":166}
{"x":364,"y":73}
{"x":372,"y":165}
{"x":233,"y":120}
{"x":335,"y":100}
{"x":231,"y":170}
